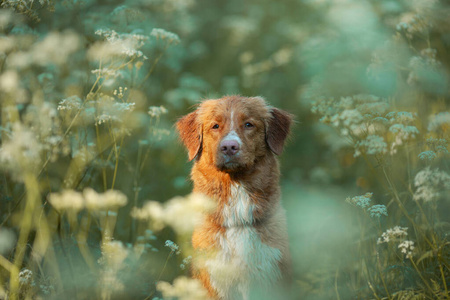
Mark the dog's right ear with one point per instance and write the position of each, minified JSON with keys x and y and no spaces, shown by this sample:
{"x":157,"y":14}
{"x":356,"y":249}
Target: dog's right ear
{"x":190,"y":133}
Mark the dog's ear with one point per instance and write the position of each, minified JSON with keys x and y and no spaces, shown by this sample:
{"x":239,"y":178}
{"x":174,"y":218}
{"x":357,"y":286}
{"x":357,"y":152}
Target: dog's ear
{"x":278,"y":129}
{"x":190,"y":133}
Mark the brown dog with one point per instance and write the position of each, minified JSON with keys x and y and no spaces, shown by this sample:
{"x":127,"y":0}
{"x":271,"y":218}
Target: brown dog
{"x":234,"y":141}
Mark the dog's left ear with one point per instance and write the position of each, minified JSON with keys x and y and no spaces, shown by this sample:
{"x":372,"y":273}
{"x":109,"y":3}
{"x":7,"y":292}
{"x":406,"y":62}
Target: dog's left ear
{"x":190,"y":133}
{"x":278,"y":129}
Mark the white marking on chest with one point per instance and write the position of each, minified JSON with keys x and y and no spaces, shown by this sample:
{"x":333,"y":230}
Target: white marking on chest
{"x":243,"y":261}
{"x":239,"y":209}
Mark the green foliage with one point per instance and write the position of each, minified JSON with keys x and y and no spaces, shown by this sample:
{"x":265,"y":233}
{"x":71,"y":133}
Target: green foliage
{"x":89,"y":92}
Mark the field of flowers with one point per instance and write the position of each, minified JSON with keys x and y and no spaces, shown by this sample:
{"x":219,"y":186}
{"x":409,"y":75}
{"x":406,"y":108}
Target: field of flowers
{"x":95,"y":198}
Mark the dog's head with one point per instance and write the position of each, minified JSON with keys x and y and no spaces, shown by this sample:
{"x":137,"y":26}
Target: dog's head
{"x":232,"y":133}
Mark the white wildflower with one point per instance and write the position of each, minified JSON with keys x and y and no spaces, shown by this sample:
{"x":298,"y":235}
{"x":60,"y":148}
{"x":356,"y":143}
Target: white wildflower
{"x":111,"y":199}
{"x":403,"y":117}
{"x":402,"y":134}
{"x":55,"y":48}
{"x":112,"y":261}
{"x":183,"y":288}
{"x":373,"y":144}
{"x":72,"y":103}
{"x":108,"y":109}
{"x":114,"y":254}
{"x":9,"y":81}
{"x":20,"y":151}
{"x":68,"y":200}
{"x":181,"y":213}
{"x":439,"y":121}
{"x":118,"y":44}
{"x":119,"y":92}
{"x":165,"y":35}
{"x":407,"y":248}
{"x":26,"y":277}
{"x":430,"y":183}
{"x":105,"y":72}
{"x":393,"y":234}
{"x":156,"y":111}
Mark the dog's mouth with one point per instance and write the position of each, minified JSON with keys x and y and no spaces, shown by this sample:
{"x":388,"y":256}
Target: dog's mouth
{"x":229,"y":165}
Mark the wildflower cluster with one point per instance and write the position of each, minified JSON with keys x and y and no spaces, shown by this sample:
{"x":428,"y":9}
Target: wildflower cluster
{"x":70,"y":200}
{"x":365,"y":119}
{"x":372,"y":145}
{"x":393,"y":234}
{"x":156,"y":111}
{"x":174,"y":248}
{"x":398,"y":234}
{"x":72,"y":103}
{"x":351,"y":114}
{"x":363,"y":202}
{"x":165,"y":35}
{"x":181,"y":213}
{"x":377,"y":210}
{"x":26,"y":277}
{"x":407,"y":248}
{"x":439,"y":122}
{"x":183,"y":288}
{"x":112,"y":261}
{"x":430,"y":183}
{"x":119,"y":44}
{"x":186,"y":261}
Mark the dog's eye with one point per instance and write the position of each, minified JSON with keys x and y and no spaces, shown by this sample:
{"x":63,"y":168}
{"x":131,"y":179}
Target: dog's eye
{"x":216,"y":126}
{"x":248,"y":125}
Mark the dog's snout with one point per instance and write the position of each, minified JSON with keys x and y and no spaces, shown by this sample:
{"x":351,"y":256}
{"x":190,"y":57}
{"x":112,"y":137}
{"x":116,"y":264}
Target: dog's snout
{"x":229,"y":147}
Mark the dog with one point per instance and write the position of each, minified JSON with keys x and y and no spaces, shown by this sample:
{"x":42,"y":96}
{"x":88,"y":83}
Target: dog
{"x":234,"y":142}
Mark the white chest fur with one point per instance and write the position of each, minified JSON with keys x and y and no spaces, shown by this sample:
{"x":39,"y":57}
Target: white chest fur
{"x":243,"y":261}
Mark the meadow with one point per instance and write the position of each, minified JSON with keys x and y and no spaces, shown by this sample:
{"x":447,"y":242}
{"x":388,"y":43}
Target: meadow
{"x":95,"y":197}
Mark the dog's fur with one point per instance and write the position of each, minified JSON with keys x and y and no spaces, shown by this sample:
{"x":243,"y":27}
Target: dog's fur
{"x":234,"y":141}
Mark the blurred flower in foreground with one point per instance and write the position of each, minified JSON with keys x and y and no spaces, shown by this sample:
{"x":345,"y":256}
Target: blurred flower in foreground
{"x":70,"y":200}
{"x":186,"y":261}
{"x":173,"y":247}
{"x":103,"y":201}
{"x":181,"y":213}
{"x":183,"y":288}
{"x":112,"y":261}
{"x":20,"y":151}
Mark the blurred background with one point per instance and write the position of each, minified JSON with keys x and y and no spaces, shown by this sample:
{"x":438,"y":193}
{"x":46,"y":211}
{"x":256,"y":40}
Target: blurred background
{"x":337,"y":65}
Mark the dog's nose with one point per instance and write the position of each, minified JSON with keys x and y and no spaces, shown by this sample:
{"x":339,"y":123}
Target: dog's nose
{"x":229,"y":147}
